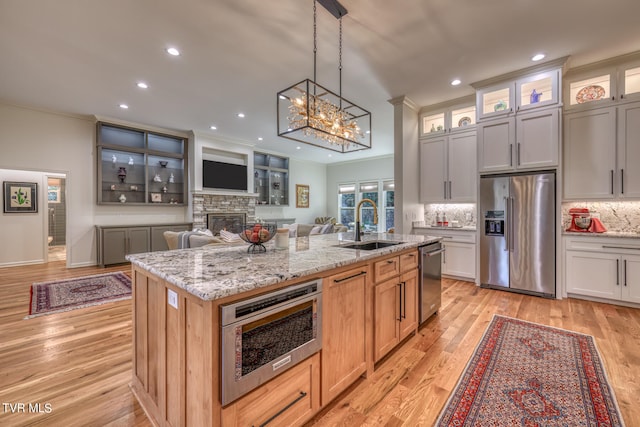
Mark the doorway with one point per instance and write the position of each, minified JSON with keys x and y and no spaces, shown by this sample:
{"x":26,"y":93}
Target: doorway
{"x":57,"y":218}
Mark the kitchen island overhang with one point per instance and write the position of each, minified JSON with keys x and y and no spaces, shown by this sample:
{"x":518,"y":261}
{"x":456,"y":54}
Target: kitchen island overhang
{"x":176,"y":303}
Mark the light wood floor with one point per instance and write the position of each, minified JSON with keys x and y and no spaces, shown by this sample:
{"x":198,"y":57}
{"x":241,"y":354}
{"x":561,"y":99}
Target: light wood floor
{"x":79,"y":362}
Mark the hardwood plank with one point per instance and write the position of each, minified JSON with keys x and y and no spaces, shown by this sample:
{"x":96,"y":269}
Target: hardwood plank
{"x":81,"y":362}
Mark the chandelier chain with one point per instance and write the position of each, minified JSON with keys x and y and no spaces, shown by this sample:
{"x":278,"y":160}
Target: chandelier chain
{"x":315,"y":40}
{"x":340,"y":63}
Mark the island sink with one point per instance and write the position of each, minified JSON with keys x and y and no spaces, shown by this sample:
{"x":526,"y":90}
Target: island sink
{"x":369,"y":246}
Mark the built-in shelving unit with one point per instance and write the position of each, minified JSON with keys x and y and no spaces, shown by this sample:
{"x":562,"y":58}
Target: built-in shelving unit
{"x":137,"y":167}
{"x":271,"y":179}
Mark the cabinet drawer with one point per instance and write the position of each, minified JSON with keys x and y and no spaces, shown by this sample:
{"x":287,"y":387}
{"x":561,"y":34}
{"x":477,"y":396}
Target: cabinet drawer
{"x":386,"y":268}
{"x":408,"y":261}
{"x":288,"y":400}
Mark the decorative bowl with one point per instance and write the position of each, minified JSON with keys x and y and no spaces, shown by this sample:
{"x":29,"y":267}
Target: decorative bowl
{"x":583,"y":221}
{"x":256,"y":235}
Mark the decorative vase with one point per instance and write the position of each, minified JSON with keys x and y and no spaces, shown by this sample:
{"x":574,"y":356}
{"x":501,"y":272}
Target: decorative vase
{"x":122,"y":198}
{"x":122,"y":174}
{"x":171,"y":178}
{"x":535,"y":96}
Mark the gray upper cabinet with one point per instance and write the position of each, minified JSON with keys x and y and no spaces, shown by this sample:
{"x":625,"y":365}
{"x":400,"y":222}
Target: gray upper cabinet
{"x":139,"y":167}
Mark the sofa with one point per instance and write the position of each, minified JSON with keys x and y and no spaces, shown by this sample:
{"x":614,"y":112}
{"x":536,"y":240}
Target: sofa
{"x":304,"y":230}
{"x":190,"y":239}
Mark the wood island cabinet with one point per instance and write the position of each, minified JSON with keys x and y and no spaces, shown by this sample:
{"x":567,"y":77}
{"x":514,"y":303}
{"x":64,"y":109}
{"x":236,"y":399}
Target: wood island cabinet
{"x":345,"y":315}
{"x":177,"y":352}
{"x":395,"y":302}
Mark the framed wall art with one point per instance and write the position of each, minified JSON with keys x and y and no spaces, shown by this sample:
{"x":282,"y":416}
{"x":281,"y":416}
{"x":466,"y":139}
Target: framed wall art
{"x":20,"y":197}
{"x":302,"y":196}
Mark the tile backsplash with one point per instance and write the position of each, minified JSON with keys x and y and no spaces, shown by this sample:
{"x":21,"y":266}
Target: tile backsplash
{"x":615,"y":216}
{"x":464,"y":213}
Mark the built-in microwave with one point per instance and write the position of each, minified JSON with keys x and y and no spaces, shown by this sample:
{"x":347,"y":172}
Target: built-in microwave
{"x":266,"y":335}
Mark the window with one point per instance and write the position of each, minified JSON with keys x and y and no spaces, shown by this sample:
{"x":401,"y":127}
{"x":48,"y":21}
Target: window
{"x":347,"y":204}
{"x":388,"y":194}
{"x":369,"y":190}
{"x":382,"y":194}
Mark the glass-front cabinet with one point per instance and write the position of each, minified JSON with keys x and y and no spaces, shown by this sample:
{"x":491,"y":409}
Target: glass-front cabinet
{"x":271,"y":179}
{"x":531,"y":91}
{"x":452,"y":116}
{"x":601,"y":85}
{"x":140,"y":167}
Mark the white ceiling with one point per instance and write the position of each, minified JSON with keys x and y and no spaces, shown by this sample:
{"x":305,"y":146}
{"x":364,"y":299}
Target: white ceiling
{"x":86,"y":56}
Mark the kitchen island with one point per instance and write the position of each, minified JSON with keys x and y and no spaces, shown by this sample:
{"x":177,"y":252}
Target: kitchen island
{"x":369,"y":304}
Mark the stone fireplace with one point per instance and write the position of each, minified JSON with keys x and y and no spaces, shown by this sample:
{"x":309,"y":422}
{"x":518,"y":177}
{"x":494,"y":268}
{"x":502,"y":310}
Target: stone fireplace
{"x":219,"y":211}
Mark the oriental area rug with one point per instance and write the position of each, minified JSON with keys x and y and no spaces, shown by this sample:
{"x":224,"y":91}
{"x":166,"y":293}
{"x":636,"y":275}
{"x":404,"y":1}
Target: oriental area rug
{"x":80,"y":292}
{"x":526,"y":374}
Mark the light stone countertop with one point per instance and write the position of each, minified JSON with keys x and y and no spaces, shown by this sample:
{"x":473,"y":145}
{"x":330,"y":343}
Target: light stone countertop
{"x":623,"y":234}
{"x":213,"y":272}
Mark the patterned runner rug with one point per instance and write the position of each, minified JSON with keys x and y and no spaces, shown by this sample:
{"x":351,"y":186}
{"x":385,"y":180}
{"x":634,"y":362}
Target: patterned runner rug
{"x":526,"y":374}
{"x":69,"y":294}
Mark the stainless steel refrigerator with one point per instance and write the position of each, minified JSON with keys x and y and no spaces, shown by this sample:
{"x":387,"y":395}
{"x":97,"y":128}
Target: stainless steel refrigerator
{"x":517,"y":239}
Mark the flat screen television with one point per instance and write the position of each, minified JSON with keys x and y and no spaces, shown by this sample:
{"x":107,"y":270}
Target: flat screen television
{"x":226,"y":176}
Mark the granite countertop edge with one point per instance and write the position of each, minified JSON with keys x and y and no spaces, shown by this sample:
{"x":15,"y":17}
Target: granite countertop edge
{"x":617,"y":234}
{"x":211,"y":273}
{"x":432,"y":227}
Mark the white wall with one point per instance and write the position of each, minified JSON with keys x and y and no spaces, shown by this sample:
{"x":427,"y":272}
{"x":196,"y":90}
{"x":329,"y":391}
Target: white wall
{"x":308,"y":173}
{"x":357,"y":170}
{"x":43,"y":142}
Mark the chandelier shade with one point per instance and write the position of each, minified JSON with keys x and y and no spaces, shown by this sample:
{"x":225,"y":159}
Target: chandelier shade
{"x":313,"y":114}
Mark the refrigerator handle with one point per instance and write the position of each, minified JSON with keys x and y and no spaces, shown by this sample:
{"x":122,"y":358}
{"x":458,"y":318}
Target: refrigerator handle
{"x":511,"y":223}
{"x":507,"y":233}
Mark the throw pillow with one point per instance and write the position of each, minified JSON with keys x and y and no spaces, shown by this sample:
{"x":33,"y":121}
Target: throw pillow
{"x":293,"y":229}
{"x":327,"y":229}
{"x":315,"y":230}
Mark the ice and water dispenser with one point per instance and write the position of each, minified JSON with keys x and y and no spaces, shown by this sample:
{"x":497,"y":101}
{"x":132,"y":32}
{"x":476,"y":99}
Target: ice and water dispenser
{"x":494,"y":223}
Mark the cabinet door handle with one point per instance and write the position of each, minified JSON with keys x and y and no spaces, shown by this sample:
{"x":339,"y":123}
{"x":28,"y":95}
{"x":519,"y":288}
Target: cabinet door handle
{"x":611,"y":181}
{"x":399,"y":285}
{"x":620,"y":247}
{"x":289,"y":405}
{"x":445,"y":189}
{"x":449,"y":189}
{"x":622,"y":96}
{"x":613,"y":98}
{"x":624,"y":264}
{"x":348,"y":278}
{"x":510,"y":154}
{"x":622,"y":181}
{"x":518,"y":154}
{"x":404,"y":299}
{"x":617,"y":272}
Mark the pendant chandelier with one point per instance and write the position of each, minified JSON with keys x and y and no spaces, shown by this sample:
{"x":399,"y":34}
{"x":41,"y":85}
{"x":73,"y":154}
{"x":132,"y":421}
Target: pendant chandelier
{"x":313,"y":114}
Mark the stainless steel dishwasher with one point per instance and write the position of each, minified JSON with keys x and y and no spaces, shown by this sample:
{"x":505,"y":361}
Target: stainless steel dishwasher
{"x":430,"y":291}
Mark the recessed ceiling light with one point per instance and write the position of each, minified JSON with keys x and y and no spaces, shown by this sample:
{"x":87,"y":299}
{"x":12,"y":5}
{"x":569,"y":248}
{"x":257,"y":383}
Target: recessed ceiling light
{"x":455,"y":82}
{"x":537,"y":57}
{"x":213,"y":127}
{"x":173,"y":51}
{"x":259,"y":138}
{"x":368,"y":131}
{"x":142,"y":85}
{"x":241,"y":115}
{"x":330,"y":155}
{"x":298,"y":147}
{"x":282,"y":97}
{"x":124,"y":106}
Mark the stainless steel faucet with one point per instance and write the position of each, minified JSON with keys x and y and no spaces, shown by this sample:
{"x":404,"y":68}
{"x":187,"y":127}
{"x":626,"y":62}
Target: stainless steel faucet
{"x":375,"y":216}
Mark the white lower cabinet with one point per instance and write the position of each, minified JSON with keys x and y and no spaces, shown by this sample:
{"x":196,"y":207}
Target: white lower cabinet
{"x":459,"y":256}
{"x":459,"y":259}
{"x":603,"y":268}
